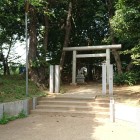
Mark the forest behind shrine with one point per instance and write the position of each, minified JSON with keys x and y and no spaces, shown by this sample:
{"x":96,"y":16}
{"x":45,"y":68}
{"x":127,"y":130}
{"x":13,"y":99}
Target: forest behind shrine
{"x":55,"y":24}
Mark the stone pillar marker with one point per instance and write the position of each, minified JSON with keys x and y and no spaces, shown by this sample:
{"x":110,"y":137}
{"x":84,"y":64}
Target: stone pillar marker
{"x":1,"y":111}
{"x":54,"y":79}
{"x":111,"y":80}
{"x":34,"y":102}
{"x":57,"y":78}
{"x":112,"y":109}
{"x":108,"y":63}
{"x":51,"y":79}
{"x":74,"y":68}
{"x":104,"y":79}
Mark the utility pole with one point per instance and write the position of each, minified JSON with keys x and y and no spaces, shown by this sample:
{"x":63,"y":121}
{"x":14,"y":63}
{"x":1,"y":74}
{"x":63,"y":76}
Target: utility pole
{"x":26,"y":38}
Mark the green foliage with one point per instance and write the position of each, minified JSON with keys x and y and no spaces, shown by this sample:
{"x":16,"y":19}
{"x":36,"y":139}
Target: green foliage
{"x":136,"y":54}
{"x":125,"y":24}
{"x":22,"y":114}
{"x":127,"y":19}
{"x":11,"y":15}
{"x":11,"y":30}
{"x":6,"y":118}
{"x":129,"y":78}
{"x":89,"y":26}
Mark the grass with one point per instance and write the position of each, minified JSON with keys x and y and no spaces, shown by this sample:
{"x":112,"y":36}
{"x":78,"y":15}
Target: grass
{"x":13,"y":88}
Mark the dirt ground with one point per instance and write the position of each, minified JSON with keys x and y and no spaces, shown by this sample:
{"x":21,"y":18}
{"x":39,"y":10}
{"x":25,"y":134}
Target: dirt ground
{"x":68,"y":128}
{"x":129,"y":95}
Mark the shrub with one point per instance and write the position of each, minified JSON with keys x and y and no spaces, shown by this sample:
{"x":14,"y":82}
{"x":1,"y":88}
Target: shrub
{"x":6,"y":118}
{"x":129,"y":78}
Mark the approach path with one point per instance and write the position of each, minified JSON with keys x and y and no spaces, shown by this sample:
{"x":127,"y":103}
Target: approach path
{"x":44,"y":127}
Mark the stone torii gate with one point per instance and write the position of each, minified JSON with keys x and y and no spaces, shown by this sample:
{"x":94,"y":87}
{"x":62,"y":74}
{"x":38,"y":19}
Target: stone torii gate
{"x":86,"y":48}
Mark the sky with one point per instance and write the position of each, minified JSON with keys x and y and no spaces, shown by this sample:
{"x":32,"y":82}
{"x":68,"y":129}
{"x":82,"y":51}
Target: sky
{"x":19,"y":49}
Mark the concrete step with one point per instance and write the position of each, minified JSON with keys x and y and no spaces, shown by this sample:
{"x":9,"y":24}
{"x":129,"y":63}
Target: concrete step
{"x":72,"y":107}
{"x":70,"y":113}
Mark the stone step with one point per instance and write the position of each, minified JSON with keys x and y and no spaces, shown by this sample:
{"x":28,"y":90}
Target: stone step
{"x":56,"y":102}
{"x":102,"y":100}
{"x":74,"y":103}
{"x":68,"y":98}
{"x":72,"y":107}
{"x":70,"y":113}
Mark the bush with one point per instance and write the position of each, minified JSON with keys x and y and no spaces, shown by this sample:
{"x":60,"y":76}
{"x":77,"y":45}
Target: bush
{"x":6,"y":118}
{"x":129,"y":78}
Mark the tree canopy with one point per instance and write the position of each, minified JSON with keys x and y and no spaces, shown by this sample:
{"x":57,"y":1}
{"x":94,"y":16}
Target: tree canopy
{"x":54,"y":24}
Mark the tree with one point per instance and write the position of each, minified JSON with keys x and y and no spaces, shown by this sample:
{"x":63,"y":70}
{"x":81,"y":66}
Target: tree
{"x":125,"y":24}
{"x":67,"y":32}
{"x":11,"y":30}
{"x":110,"y":6}
{"x":54,"y":24}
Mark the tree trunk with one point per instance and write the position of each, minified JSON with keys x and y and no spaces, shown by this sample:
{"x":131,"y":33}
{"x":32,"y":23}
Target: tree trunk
{"x":33,"y":44}
{"x":46,"y":29}
{"x":6,"y":68}
{"x":114,"y":51}
{"x":5,"y":60}
{"x":67,"y":33}
{"x":42,"y":68}
{"x":130,"y":66}
{"x":117,"y":60}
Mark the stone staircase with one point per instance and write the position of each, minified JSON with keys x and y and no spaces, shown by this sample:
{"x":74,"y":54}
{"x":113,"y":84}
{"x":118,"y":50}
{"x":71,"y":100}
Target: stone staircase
{"x":73,"y":106}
